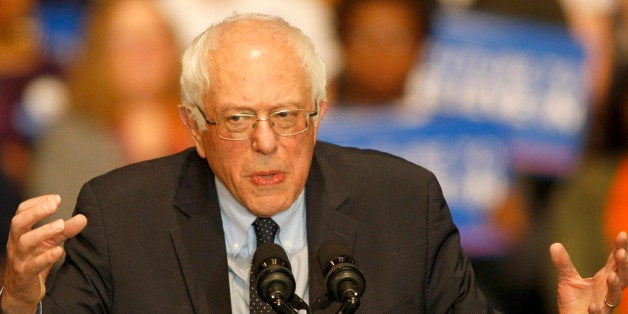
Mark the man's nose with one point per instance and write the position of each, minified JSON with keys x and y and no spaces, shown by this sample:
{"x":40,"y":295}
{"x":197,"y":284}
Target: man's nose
{"x":264,"y":138}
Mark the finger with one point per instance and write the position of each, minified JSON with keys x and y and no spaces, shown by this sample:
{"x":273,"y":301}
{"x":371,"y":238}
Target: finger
{"x":36,"y":201}
{"x":620,"y":257}
{"x":562,"y":262}
{"x":613,"y":294}
{"x":56,"y":232}
{"x":32,"y":239}
{"x":42,"y":262}
{"x":593,"y":309}
{"x":74,"y":225}
{"x":36,"y":210}
{"x":621,"y":241}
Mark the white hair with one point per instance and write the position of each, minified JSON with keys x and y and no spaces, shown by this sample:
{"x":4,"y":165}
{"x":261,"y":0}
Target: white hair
{"x":195,"y":81}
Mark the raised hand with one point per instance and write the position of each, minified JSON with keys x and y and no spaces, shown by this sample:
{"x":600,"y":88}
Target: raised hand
{"x":32,"y":252}
{"x":598,"y":294}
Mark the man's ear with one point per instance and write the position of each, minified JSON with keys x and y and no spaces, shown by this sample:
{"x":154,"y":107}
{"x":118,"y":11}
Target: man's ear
{"x":322,"y":108}
{"x":185,"y":114}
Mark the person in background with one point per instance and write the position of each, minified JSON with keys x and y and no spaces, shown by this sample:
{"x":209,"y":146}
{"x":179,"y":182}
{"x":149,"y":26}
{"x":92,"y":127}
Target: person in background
{"x":123,"y":89}
{"x":254,"y":94}
{"x":592,"y":24}
{"x":381,"y":42}
{"x":31,"y":92}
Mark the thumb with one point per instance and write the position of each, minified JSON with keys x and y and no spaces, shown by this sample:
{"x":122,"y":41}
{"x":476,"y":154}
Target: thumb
{"x":562,"y":262}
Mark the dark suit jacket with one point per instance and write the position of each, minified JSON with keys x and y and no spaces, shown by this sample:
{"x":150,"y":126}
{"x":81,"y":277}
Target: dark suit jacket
{"x":154,"y":241}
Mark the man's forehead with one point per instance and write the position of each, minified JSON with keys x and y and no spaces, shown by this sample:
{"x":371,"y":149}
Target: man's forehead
{"x":252,"y":46}
{"x":252,"y":65}
{"x":254,"y":54}
{"x":256,"y":49}
{"x":247,"y":33}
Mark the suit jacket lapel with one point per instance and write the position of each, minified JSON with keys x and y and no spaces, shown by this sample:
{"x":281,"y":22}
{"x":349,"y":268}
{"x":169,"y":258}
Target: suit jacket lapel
{"x":199,"y":239}
{"x":325,"y":197}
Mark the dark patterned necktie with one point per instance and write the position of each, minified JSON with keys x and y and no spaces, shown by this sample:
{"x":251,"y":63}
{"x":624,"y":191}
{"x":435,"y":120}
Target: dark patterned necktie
{"x":265,"y":231}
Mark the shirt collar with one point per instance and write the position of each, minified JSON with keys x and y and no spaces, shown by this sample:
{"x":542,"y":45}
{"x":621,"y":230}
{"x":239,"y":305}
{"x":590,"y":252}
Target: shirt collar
{"x":239,"y":234}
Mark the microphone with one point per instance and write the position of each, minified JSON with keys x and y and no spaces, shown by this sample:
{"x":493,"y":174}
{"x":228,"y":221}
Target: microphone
{"x":273,"y":276}
{"x":345,"y":281}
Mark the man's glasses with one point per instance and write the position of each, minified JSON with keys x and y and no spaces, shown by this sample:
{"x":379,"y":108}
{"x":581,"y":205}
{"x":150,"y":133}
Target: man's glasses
{"x":241,"y":126}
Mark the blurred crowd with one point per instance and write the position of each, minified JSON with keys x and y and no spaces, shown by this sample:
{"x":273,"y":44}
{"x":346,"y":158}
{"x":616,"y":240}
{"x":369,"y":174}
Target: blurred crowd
{"x":88,"y":85}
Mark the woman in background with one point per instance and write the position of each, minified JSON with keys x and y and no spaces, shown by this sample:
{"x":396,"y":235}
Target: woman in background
{"x":381,"y":40}
{"x":124,"y":93}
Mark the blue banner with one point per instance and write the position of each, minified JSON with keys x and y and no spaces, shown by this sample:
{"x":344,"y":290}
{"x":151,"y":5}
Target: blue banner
{"x":493,"y":96}
{"x":526,"y":75}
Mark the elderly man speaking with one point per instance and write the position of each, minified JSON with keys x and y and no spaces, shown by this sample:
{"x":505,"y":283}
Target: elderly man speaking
{"x":178,"y":234}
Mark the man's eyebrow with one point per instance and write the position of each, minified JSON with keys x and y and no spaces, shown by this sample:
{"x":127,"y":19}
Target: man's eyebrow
{"x":288,"y":105}
{"x":233,"y":107}
{"x":243,"y":108}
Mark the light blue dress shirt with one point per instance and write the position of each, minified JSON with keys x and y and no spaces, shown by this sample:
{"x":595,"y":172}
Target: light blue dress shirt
{"x":241,"y":244}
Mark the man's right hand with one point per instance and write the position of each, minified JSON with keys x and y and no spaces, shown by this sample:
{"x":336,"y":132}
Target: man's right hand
{"x":32,"y":252}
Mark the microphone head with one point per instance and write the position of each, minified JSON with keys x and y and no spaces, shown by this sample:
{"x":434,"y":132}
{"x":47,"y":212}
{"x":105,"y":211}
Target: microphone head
{"x":341,"y":271}
{"x":331,"y":253}
{"x":273,"y":275}
{"x":268,"y":251}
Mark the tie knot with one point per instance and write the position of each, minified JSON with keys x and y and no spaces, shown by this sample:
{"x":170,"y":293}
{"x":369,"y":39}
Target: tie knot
{"x":265,"y":230}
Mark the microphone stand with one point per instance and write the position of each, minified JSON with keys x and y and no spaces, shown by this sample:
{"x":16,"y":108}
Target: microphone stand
{"x":323,"y":302}
{"x":350,"y":305}
{"x":298,"y":304}
{"x":280,"y":306}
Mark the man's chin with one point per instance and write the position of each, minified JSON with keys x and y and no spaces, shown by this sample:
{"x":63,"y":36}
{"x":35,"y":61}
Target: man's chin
{"x":269,"y":206}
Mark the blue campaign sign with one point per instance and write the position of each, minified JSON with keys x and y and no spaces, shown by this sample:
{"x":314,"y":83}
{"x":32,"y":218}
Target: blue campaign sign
{"x":469,"y":158}
{"x":527,"y":75}
{"x":493,"y":96}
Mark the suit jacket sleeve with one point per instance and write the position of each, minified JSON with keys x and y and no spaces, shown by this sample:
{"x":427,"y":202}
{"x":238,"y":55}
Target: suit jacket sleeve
{"x":450,"y":280}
